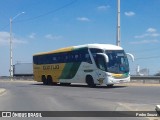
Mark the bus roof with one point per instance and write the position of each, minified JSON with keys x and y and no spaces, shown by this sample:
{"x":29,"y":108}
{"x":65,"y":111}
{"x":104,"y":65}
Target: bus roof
{"x":100,"y":46}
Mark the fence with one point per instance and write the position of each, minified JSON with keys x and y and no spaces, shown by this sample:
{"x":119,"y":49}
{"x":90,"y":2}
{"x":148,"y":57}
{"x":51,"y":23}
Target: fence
{"x":144,"y":79}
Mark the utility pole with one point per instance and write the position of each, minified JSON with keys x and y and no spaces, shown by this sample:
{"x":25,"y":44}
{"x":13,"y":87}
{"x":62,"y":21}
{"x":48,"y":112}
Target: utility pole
{"x":11,"y":51}
{"x":118,"y":24}
{"x":11,"y":46}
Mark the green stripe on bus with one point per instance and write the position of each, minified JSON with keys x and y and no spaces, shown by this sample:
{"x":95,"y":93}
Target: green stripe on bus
{"x":70,"y":70}
{"x":66,"y":70}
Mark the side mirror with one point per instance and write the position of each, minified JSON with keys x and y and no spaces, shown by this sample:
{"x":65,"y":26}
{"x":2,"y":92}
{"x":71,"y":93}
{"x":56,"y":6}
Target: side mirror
{"x":105,"y":56}
{"x":131,"y":56}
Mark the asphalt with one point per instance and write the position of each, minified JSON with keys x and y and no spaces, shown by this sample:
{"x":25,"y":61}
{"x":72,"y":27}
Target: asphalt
{"x":30,"y":95}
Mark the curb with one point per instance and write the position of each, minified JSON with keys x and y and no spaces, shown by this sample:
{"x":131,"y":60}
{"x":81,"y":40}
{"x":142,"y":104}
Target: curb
{"x":140,"y":84}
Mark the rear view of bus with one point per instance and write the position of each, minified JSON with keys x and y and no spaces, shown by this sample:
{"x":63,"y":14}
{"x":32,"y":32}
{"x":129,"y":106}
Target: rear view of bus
{"x":94,"y":64}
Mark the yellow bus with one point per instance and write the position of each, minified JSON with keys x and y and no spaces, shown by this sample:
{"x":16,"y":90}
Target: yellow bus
{"x":94,"y":64}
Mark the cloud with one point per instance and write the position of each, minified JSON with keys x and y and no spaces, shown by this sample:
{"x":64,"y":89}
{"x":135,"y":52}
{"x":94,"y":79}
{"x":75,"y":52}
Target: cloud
{"x":83,"y":19}
{"x":129,"y":14}
{"x":103,"y":7}
{"x":32,"y":36}
{"x":16,"y":41}
{"x":150,"y":32}
{"x":150,"y":36}
{"x":145,"y":42}
{"x":141,"y":36}
{"x":52,"y":37}
{"x":5,"y":39}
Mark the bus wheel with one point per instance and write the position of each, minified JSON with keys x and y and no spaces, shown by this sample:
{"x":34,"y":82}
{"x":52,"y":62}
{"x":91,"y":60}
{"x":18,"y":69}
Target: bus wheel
{"x":90,"y":82}
{"x":44,"y":80}
{"x":65,"y":84}
{"x":110,"y":85}
{"x":54,"y":83}
{"x":68,"y":84}
{"x":49,"y":80}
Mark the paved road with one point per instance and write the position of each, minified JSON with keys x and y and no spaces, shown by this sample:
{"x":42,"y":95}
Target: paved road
{"x":33,"y":96}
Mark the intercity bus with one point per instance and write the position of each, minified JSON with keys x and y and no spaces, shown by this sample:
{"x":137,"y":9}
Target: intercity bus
{"x":93,"y":64}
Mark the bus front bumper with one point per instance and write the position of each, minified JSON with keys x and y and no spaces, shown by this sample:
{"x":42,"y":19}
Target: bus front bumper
{"x":112,"y":80}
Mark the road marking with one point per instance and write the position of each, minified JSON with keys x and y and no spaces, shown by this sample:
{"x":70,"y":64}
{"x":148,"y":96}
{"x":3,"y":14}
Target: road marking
{"x":2,"y":91}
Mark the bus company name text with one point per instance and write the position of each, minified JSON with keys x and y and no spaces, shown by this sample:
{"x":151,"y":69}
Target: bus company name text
{"x":50,"y":67}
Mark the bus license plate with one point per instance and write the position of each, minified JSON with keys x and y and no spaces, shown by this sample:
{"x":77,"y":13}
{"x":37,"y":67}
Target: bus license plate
{"x":121,"y":81}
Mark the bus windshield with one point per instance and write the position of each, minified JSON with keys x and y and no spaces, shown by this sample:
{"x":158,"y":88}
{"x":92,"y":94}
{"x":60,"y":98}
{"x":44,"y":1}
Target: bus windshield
{"x":118,"y":62}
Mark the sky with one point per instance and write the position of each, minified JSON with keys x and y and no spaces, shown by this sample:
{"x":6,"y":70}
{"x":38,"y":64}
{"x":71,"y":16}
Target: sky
{"x":51,"y":24}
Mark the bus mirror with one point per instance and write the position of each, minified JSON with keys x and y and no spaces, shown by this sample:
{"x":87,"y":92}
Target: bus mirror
{"x":130,"y":55}
{"x":105,"y":56}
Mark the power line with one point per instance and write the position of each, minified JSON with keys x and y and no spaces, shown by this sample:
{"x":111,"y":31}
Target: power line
{"x":50,"y":12}
{"x":145,"y":50}
{"x":4,"y":15}
{"x":4,"y":27}
{"x":146,"y":58}
{"x":45,"y":14}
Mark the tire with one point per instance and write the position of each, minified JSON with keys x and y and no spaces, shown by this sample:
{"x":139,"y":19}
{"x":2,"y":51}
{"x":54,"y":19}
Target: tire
{"x":90,"y":81}
{"x":65,"y":84}
{"x":110,"y":86}
{"x":49,"y":80}
{"x":54,"y":83}
{"x":44,"y":80}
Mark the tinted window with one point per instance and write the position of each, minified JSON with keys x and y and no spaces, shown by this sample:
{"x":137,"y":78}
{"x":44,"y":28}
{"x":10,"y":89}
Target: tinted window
{"x":101,"y":63}
{"x":95,"y":50}
{"x":118,"y":62}
{"x":64,"y":57}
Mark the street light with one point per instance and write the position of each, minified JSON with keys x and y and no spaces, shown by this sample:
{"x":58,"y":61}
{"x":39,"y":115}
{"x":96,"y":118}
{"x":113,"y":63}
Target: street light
{"x":118,"y":24}
{"x":11,"y":42}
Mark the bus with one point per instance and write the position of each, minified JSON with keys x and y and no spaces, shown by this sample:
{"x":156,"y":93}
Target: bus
{"x":93,"y":64}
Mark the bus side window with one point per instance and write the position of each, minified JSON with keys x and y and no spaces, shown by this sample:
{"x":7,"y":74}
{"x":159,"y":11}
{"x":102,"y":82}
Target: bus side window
{"x":40,"y":59}
{"x":66,"y":58}
{"x":76,"y":57}
{"x":95,"y":50}
{"x":46,"y":59}
{"x":100,"y":62}
{"x":62,"y":57}
{"x":54,"y":58}
{"x":80,"y":59}
{"x":87,"y":58}
{"x":72,"y":57}
{"x":35,"y":59}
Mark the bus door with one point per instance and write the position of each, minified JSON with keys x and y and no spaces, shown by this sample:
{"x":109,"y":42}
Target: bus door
{"x":101,"y":63}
